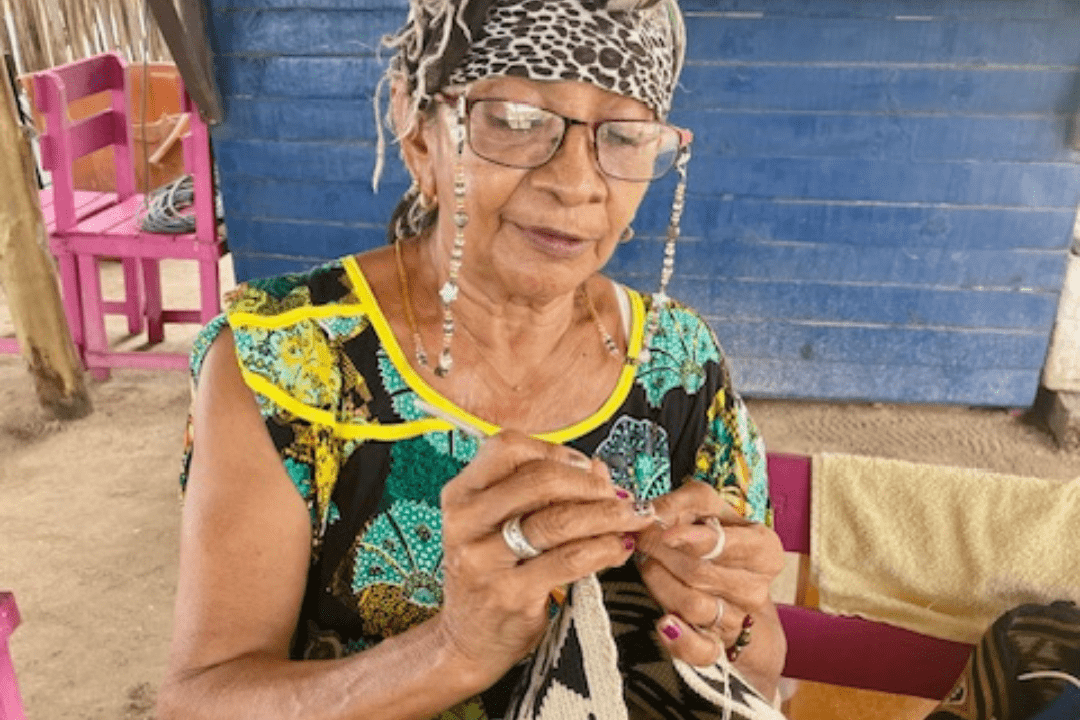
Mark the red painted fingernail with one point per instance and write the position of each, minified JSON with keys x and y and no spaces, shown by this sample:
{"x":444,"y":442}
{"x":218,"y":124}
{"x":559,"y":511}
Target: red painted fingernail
{"x":628,"y":542}
{"x":671,"y":631}
{"x":622,"y":494}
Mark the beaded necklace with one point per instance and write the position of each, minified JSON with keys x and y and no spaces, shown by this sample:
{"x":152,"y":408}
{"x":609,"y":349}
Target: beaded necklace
{"x":419,"y":348}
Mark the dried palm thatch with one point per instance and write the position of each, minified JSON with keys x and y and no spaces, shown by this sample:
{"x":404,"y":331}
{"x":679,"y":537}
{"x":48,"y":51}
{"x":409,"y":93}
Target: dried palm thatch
{"x":44,"y":33}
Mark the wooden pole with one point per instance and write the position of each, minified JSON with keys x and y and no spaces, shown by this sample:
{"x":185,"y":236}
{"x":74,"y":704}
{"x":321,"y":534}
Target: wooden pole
{"x":29,"y":278}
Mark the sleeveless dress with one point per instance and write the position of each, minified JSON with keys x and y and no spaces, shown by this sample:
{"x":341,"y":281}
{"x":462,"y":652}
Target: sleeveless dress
{"x":339,"y":401}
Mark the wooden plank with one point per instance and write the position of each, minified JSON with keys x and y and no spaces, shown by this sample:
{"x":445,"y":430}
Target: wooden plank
{"x":95,"y":132}
{"x":720,"y":218}
{"x":971,"y":41}
{"x":976,"y":349}
{"x":188,"y":45}
{"x":885,"y":383}
{"x":324,"y":241}
{"x":804,"y":87}
{"x":1005,"y":184}
{"x":877,"y":304}
{"x":330,"y":119}
{"x":1039,"y":271}
{"x":329,"y":202}
{"x":301,"y":77}
{"x":1045,"y":185}
{"x":881,"y":136}
{"x":399,"y":6}
{"x":306,"y":32}
{"x":255,"y":265}
{"x":935,"y":9}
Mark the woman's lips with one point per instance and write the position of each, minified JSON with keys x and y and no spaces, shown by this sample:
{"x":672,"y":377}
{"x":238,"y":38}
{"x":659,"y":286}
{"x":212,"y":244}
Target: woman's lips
{"x":553,"y":242}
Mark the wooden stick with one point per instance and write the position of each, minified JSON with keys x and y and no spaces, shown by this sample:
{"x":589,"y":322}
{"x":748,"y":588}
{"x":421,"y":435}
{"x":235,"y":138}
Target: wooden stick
{"x":29,"y":278}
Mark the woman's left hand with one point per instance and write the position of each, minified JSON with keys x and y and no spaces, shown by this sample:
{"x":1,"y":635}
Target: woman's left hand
{"x":706,"y":601}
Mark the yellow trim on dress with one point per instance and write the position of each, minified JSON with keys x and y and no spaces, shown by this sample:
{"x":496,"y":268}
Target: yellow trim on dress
{"x":374,"y":431}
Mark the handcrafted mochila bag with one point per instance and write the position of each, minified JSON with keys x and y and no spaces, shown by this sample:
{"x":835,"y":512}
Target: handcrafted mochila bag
{"x":574,"y":673}
{"x":1025,"y":667}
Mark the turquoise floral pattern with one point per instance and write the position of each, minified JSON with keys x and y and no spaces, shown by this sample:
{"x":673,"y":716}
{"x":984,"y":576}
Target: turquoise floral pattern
{"x":403,"y":547}
{"x":637,"y":454}
{"x":681,"y":347}
{"x":453,"y":443}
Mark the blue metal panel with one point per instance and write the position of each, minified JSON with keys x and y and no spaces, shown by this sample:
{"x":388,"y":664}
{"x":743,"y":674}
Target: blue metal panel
{"x":881,"y":198}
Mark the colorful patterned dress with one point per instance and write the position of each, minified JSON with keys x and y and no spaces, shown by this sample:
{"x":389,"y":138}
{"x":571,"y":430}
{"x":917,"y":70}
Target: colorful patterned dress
{"x":339,"y":401}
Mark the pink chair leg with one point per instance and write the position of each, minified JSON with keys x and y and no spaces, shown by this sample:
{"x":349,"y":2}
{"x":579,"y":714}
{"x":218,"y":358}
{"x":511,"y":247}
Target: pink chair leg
{"x":69,"y":289}
{"x":209,"y":290}
{"x":93,"y":315}
{"x":155,"y":327}
{"x":133,"y":296}
{"x":11,"y":707}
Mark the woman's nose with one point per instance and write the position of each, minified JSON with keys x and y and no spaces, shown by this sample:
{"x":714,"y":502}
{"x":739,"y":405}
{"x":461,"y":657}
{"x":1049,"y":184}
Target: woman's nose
{"x":572,"y":172}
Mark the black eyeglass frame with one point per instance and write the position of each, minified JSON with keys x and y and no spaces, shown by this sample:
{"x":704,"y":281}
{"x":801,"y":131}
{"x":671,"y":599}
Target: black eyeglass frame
{"x":686,"y":137}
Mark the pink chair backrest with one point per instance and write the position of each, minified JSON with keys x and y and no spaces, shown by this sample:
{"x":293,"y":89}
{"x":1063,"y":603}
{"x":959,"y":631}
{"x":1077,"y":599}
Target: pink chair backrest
{"x":199,"y":165}
{"x":850,"y":651}
{"x":65,"y":141}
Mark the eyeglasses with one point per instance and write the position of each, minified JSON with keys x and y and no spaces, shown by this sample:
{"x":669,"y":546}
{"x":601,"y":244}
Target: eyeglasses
{"x":520,"y":135}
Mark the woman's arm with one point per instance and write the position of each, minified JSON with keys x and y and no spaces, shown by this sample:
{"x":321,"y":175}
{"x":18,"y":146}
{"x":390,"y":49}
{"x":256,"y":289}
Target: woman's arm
{"x":244,"y":554}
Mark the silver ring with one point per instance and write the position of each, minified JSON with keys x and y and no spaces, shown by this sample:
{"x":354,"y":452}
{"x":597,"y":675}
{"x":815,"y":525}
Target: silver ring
{"x":718,"y":548}
{"x":719,"y":613}
{"x":517,"y":542}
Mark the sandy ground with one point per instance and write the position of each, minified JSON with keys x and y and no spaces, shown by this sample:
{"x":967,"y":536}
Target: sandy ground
{"x":89,"y":512}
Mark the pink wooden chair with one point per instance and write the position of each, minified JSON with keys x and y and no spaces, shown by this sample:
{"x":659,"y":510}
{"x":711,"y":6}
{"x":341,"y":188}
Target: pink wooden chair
{"x":850,"y":651}
{"x":112,"y":229}
{"x":10,"y":702}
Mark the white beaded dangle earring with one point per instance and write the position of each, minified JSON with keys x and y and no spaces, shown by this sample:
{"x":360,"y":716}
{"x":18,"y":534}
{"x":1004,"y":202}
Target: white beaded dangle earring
{"x":661,"y":299}
{"x":449,"y":291}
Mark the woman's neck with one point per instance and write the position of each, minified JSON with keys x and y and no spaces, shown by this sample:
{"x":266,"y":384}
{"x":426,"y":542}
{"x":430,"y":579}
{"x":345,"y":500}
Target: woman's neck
{"x":507,"y":329}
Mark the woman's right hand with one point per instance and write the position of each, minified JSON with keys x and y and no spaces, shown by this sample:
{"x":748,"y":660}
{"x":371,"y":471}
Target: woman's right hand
{"x":495,"y":606}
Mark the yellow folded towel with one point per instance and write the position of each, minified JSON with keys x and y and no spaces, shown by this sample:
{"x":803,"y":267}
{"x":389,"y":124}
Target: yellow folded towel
{"x":939,"y":550}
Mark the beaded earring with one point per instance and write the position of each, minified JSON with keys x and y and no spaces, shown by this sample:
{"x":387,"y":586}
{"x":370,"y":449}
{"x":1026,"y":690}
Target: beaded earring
{"x":661,"y":299}
{"x":449,"y":291}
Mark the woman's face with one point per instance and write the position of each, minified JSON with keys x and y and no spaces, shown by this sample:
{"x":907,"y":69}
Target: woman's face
{"x":534,"y":234}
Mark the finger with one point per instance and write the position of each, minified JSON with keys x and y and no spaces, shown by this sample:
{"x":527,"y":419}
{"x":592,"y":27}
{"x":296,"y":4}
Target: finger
{"x":537,"y":485}
{"x":753,"y":547}
{"x":500,"y":455}
{"x":696,"y":606}
{"x":560,"y":523}
{"x":740,"y":588}
{"x":686,"y":643}
{"x":574,"y":560}
{"x":695,"y":501}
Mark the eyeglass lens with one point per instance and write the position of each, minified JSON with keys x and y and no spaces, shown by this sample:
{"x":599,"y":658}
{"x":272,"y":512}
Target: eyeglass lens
{"x":525,"y":136}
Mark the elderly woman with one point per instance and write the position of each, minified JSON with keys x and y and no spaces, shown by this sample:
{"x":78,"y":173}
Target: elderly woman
{"x":466,"y":475}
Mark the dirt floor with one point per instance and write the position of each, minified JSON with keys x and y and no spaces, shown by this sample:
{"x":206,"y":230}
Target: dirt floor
{"x":89,"y":513}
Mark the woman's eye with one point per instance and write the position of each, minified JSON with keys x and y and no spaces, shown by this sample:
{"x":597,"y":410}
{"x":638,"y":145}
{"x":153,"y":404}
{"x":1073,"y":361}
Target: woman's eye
{"x":519,"y":118}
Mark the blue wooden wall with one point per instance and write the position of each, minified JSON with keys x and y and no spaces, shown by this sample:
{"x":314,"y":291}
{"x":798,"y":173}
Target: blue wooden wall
{"x":882,"y":194}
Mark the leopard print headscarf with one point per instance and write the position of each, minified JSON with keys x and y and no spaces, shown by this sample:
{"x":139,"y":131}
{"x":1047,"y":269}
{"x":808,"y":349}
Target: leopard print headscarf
{"x":634,"y":48}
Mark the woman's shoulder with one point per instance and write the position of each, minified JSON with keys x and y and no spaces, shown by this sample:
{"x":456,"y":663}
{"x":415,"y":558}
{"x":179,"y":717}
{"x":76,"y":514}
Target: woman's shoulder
{"x":320,"y":286}
{"x":323,"y":300}
{"x":675,"y":318}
